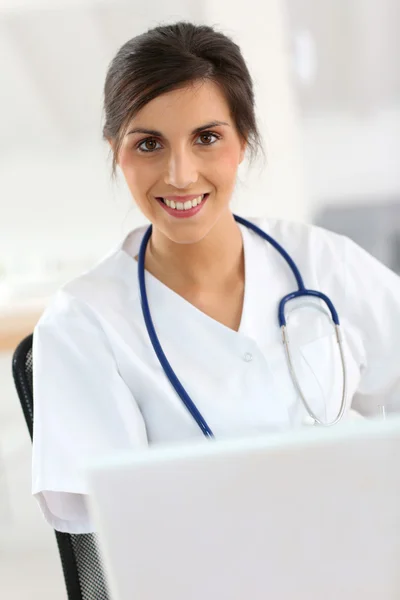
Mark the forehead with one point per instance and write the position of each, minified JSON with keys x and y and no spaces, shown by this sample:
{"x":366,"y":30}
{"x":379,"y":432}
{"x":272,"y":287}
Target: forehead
{"x":184,"y":108}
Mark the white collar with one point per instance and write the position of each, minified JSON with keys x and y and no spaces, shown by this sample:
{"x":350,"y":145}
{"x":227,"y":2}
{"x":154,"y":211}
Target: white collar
{"x":258,"y":286}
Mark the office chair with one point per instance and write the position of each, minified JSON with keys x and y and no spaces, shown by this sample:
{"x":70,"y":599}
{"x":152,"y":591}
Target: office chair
{"x":81,"y":563}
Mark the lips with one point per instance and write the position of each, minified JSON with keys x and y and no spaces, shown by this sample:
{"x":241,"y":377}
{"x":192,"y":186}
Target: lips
{"x":183,"y":202}
{"x":182,"y":209}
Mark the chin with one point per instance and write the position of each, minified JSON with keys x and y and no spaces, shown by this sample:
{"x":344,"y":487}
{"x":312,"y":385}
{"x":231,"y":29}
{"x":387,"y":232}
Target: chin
{"x":185,"y":236}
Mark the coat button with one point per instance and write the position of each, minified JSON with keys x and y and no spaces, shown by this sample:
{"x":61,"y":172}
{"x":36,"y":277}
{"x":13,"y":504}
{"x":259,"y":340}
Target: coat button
{"x":248,"y":357}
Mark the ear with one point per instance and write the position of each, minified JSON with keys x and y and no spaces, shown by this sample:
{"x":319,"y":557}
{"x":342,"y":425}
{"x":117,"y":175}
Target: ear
{"x":112,"y":145}
{"x":243,"y":149}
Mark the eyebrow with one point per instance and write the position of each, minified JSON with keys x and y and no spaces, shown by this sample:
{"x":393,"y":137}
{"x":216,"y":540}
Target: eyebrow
{"x":197,"y":130}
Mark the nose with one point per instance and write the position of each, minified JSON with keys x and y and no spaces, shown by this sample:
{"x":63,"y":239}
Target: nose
{"x":181,"y":171}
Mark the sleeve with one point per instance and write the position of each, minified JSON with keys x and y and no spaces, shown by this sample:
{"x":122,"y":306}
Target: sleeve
{"x":373,"y":304}
{"x":82,"y":409}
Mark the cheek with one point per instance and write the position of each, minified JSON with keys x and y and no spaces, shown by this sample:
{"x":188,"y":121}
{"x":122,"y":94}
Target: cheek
{"x":226,"y":166}
{"x":138,"y":174}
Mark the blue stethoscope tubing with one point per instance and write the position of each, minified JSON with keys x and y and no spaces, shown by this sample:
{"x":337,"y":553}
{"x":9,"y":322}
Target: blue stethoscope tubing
{"x":301,"y":291}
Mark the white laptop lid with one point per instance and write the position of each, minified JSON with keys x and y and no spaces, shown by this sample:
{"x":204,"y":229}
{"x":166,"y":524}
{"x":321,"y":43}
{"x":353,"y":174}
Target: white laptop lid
{"x":315,"y":515}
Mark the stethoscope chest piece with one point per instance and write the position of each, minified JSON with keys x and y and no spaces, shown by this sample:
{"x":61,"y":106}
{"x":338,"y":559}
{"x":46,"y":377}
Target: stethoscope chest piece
{"x":308,"y":420}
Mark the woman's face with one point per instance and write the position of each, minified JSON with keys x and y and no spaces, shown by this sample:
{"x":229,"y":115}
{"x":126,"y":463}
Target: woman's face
{"x":180,"y":158}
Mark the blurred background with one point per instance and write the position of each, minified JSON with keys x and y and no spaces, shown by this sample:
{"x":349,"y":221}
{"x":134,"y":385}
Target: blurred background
{"x":327,"y":82}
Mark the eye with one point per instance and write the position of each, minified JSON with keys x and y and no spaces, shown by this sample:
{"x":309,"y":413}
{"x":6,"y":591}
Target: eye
{"x":208,"y":138}
{"x":148,"y":145}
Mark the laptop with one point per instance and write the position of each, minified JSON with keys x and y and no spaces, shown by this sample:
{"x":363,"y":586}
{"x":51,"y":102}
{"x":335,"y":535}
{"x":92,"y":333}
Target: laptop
{"x":301,"y":516}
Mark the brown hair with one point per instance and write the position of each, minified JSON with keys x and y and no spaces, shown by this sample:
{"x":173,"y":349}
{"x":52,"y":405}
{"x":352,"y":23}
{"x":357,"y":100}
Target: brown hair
{"x":168,"y":57}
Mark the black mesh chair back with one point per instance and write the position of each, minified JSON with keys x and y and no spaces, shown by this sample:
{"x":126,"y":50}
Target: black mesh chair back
{"x":81,"y":563}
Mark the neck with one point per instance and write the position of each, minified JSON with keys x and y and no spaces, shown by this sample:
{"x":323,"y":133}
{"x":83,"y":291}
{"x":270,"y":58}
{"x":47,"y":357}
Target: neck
{"x":215,"y":261}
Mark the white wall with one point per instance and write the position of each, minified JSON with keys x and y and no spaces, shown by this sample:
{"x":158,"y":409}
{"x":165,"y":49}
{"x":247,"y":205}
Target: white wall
{"x":60,"y":206}
{"x":261,"y":30}
{"x":347,"y":76}
{"x":352,"y":158}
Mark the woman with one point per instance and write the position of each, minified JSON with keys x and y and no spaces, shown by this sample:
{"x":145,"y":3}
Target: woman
{"x":179,"y":117}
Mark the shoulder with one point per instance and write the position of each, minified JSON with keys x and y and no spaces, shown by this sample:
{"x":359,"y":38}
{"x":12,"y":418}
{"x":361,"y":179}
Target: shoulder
{"x":305,"y":240}
{"x":320,"y":255}
{"x":332,"y":262}
{"x":103,"y":288}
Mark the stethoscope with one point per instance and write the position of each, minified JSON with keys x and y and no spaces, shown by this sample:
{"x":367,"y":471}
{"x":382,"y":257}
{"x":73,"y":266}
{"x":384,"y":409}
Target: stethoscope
{"x":302,"y":291}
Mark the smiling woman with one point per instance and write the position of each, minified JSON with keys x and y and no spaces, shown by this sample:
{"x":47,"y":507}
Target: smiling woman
{"x":193,"y":308}
{"x":180,"y":149}
{"x":179,"y":132}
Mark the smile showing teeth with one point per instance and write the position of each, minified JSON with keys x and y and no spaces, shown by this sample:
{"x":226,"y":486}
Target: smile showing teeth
{"x":184,"y":205}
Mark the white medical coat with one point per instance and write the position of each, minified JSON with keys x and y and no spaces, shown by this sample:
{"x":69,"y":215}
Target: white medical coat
{"x":99,"y":388}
